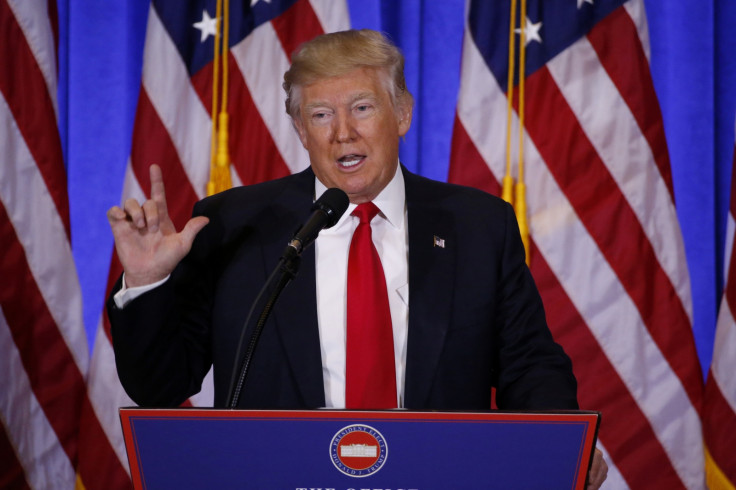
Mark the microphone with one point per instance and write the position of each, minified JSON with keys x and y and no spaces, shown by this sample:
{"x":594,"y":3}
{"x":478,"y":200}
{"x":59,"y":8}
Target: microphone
{"x":327,"y":211}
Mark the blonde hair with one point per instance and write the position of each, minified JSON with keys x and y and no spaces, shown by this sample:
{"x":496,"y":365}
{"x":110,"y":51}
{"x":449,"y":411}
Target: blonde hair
{"x":339,"y":53}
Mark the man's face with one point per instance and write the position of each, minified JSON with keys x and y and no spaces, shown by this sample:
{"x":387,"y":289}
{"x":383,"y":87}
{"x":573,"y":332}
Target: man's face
{"x":351,"y":131}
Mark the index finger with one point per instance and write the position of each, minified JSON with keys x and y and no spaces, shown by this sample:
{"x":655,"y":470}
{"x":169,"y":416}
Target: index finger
{"x":158,"y":192}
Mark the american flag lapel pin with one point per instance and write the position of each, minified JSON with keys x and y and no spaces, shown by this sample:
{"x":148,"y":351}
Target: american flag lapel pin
{"x":439,"y":242}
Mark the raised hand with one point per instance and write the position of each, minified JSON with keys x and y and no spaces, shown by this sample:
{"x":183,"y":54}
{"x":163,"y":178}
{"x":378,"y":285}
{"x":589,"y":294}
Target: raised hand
{"x":148,"y":245}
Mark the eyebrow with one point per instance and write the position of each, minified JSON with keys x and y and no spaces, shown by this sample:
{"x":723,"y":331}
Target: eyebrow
{"x":364,"y":95}
{"x":314,"y":105}
{"x":352,"y":100}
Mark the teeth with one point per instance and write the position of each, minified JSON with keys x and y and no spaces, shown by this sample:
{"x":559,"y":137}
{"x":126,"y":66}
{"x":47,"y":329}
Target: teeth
{"x":350,"y":160}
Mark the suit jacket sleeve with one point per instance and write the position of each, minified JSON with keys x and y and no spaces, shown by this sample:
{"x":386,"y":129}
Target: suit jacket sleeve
{"x":157,"y":363}
{"x":533,"y":372}
{"x":161,"y":339}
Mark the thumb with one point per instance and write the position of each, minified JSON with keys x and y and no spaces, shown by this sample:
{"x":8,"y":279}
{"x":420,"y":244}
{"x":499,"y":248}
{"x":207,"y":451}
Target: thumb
{"x":191,"y":229}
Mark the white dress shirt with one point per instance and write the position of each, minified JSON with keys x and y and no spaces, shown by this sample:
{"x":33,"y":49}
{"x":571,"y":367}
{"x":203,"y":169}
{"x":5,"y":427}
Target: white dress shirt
{"x":390,"y":236}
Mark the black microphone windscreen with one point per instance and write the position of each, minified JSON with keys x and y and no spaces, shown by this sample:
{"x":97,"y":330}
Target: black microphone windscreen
{"x":333,"y":202}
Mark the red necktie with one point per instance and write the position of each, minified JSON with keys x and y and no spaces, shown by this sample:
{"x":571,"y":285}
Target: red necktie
{"x":370,"y":373}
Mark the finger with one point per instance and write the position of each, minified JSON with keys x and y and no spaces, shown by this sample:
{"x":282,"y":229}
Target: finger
{"x":598,"y":471}
{"x":158,"y":191}
{"x":115,"y":214}
{"x":602,"y":472}
{"x":191,"y":229}
{"x":150,"y":210}
{"x":135,"y":212}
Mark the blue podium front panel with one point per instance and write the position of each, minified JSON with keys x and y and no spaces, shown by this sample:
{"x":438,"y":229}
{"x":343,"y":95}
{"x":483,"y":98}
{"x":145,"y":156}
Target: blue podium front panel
{"x":327,"y":449}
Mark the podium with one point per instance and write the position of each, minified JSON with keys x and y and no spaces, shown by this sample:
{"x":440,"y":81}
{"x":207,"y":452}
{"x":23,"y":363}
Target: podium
{"x":341,"y":449}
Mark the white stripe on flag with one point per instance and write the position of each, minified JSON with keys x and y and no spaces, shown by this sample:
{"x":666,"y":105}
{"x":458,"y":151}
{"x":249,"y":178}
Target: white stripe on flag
{"x":728,"y":252}
{"x":331,"y":14}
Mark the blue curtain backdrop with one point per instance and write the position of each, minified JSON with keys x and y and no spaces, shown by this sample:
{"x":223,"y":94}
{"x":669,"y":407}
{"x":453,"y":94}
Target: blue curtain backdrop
{"x":692,"y":65}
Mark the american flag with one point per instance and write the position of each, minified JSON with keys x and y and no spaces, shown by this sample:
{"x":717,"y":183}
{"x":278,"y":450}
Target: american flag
{"x":172,"y":129}
{"x":43,"y":347}
{"x":606,"y":248}
{"x":719,"y":413}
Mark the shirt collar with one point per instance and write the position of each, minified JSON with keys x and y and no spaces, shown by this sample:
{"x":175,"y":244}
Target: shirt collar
{"x":391,"y":200}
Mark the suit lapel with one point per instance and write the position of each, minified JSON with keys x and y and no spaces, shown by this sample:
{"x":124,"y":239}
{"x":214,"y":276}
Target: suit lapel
{"x":296,"y":313}
{"x":431,"y":281}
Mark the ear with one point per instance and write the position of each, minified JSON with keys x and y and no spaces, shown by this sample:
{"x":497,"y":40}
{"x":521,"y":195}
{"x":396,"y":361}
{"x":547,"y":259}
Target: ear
{"x":300,"y":130}
{"x":406,"y":109}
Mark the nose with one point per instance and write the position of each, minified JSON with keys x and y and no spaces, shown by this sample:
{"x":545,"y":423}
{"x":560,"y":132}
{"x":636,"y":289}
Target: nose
{"x":344,"y":130}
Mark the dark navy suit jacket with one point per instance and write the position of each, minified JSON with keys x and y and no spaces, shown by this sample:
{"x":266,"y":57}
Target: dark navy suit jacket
{"x":475,"y":317}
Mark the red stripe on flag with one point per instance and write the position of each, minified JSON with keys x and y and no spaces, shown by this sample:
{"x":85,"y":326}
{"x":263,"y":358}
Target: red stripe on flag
{"x":467,"y":166}
{"x":719,"y":429}
{"x":26,"y":93}
{"x":730,"y":279}
{"x":12,"y":474}
{"x":606,"y":214}
{"x":99,"y":466}
{"x":297,"y":25}
{"x":623,"y":58}
{"x":152,"y":144}
{"x":55,"y":379}
{"x":729,"y":291}
{"x":625,"y":430}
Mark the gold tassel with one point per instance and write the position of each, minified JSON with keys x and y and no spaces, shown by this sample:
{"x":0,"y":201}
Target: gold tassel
{"x":220,"y":173}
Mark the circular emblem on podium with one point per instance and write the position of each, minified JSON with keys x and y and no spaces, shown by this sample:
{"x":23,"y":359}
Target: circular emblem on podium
{"x":358,"y":450}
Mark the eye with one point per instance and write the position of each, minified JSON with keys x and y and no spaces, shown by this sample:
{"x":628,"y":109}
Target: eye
{"x":363,"y":109}
{"x":320,"y":116}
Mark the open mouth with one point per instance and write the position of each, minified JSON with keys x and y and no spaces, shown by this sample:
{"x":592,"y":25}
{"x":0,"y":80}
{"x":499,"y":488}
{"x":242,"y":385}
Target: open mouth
{"x":350,"y":160}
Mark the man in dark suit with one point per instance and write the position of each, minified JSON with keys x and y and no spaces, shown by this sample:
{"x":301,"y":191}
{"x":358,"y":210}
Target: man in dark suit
{"x":466,"y":315}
